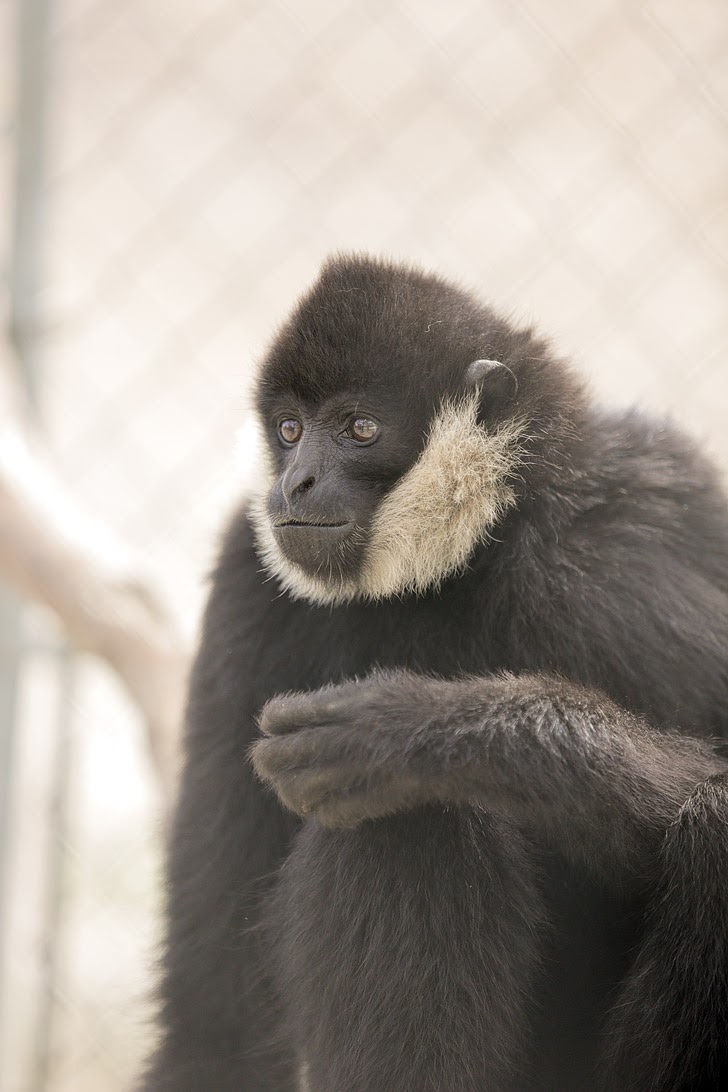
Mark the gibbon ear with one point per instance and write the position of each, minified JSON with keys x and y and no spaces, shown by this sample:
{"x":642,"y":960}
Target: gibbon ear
{"x":496,"y":382}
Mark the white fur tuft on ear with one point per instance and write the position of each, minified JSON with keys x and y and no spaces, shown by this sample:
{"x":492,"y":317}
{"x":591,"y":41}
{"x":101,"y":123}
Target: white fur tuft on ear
{"x":427,"y":527}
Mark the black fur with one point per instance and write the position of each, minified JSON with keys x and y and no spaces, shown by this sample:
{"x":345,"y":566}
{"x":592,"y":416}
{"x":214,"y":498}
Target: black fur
{"x":512,"y":874}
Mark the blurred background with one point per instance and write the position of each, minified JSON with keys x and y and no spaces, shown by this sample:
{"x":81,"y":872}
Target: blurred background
{"x":172,"y":172}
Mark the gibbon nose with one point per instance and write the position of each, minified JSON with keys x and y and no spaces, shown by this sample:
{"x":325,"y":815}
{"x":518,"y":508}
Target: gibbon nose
{"x":297,"y":482}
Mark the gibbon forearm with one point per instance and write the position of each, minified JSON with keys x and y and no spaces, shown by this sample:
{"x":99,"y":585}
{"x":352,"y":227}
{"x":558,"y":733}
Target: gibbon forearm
{"x":557,"y":758}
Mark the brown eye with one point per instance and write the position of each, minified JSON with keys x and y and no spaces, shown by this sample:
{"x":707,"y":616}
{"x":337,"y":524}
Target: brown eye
{"x":290,"y":430}
{"x":363,"y":429}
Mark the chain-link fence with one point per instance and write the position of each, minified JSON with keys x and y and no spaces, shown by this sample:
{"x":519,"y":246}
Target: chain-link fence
{"x":568,"y":160}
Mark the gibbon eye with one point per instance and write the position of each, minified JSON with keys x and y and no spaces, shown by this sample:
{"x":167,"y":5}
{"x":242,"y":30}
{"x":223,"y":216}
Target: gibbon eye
{"x":363,"y":429}
{"x":290,"y":430}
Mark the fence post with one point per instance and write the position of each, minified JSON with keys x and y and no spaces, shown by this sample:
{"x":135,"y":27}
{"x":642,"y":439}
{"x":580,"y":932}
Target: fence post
{"x":26,"y":248}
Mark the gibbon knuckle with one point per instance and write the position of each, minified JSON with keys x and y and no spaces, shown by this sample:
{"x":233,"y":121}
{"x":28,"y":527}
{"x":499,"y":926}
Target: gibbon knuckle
{"x":275,"y":714}
{"x":260,"y":757}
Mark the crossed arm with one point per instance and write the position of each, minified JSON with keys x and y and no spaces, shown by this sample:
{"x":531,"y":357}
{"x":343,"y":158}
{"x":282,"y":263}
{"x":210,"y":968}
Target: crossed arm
{"x":555,"y":757}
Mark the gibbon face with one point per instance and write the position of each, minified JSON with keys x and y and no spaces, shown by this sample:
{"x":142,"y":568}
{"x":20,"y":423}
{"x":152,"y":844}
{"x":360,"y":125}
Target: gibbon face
{"x":391,"y":439}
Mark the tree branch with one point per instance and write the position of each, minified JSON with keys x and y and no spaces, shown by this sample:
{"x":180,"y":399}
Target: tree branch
{"x":54,"y":552}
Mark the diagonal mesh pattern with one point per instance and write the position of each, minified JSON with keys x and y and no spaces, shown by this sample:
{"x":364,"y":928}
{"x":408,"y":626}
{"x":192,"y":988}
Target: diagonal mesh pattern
{"x":570,"y":161}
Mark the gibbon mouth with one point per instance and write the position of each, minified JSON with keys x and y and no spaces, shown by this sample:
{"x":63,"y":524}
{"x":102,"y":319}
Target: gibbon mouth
{"x":316,"y":547}
{"x":311,"y":525}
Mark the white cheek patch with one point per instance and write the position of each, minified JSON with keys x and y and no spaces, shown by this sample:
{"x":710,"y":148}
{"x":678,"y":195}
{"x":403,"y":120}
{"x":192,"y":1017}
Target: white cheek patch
{"x":460,"y":487}
{"x":427,"y":527}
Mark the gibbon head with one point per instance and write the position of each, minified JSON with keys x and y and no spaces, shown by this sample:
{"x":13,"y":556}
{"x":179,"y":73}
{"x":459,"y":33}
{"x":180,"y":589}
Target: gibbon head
{"x":396,"y":414}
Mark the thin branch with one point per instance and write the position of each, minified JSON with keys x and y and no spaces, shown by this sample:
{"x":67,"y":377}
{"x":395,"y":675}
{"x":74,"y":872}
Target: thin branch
{"x":53,"y":551}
